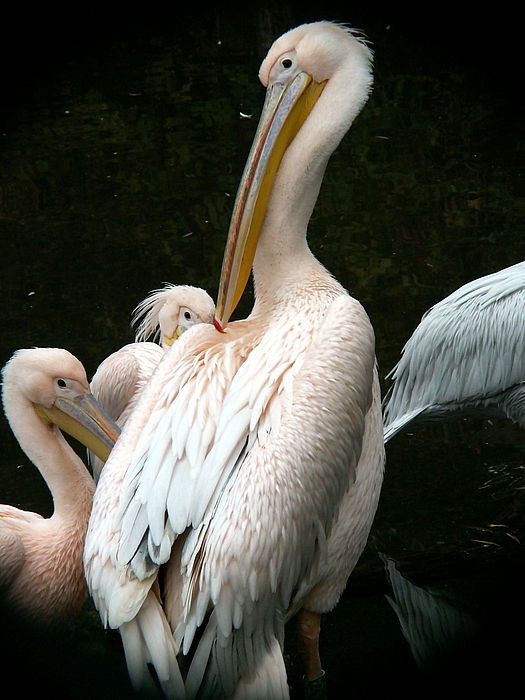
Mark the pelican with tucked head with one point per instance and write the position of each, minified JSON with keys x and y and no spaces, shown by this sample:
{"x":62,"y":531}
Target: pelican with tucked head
{"x":167,"y":313}
{"x":164,"y":314}
{"x":250,"y":470}
{"x":41,"y":573}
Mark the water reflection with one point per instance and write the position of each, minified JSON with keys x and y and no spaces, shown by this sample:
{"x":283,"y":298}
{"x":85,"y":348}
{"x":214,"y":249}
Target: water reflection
{"x":119,"y":175}
{"x":435,"y":623}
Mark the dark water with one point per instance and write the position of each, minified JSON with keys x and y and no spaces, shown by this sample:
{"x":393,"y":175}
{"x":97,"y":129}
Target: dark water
{"x":121,"y":150}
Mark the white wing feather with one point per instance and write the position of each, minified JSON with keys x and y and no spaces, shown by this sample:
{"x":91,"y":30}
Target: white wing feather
{"x":291,"y":486}
{"x":117,"y":593}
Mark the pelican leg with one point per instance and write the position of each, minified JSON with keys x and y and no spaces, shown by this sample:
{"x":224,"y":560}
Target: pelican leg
{"x":308,"y":630}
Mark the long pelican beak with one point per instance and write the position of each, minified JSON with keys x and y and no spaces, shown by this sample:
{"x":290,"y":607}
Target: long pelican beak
{"x":285,"y":109}
{"x":84,"y":419}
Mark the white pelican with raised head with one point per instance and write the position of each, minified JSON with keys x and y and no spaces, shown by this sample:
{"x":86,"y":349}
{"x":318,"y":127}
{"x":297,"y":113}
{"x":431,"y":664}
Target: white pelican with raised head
{"x":250,"y":471}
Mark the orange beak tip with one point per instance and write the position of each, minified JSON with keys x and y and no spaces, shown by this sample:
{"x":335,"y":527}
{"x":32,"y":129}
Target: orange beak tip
{"x":218,"y":325}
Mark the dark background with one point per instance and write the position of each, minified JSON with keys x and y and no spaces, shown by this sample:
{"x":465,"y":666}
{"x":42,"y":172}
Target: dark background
{"x":39,"y":44}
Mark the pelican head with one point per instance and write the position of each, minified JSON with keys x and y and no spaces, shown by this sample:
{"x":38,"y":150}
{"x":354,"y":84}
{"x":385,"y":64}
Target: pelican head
{"x":296,"y":71}
{"x":55,"y":382}
{"x":170,"y":311}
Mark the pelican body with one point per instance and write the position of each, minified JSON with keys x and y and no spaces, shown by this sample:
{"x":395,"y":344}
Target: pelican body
{"x":250,"y":471}
{"x":464,"y":358}
{"x":41,"y":573}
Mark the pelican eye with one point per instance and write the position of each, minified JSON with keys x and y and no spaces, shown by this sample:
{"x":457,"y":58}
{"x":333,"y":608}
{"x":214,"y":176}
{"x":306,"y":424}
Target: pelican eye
{"x":187,"y":315}
{"x":62,"y":383}
{"x":287,"y":63}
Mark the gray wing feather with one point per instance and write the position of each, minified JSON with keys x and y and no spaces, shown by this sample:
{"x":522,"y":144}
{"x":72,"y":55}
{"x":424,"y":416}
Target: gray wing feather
{"x":465,"y":356}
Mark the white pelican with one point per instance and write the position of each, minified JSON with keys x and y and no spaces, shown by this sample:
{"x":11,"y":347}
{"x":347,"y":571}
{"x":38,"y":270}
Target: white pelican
{"x":41,"y":574}
{"x":465,"y":357}
{"x":165,"y":314}
{"x":253,"y":462}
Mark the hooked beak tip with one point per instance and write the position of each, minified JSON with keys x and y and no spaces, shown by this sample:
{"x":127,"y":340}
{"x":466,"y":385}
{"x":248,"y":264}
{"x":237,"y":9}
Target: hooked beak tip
{"x":217,"y":325}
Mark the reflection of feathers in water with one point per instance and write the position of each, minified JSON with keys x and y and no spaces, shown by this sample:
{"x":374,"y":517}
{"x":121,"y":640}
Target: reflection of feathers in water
{"x":436,"y":626}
